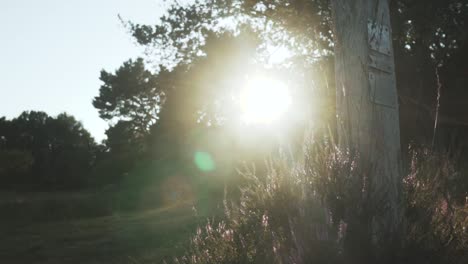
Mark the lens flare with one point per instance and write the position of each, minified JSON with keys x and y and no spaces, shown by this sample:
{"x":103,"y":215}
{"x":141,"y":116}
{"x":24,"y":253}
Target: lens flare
{"x":204,"y":161}
{"x":264,"y":101}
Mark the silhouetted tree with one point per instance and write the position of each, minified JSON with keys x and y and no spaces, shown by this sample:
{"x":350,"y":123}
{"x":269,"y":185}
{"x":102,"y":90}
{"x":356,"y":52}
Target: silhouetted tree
{"x":428,"y":35}
{"x":40,"y":151}
{"x":132,"y":94}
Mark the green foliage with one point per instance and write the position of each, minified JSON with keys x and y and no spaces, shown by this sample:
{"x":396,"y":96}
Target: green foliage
{"x":130,"y":99}
{"x":435,"y":26}
{"x":15,"y":165}
{"x":184,"y":30}
{"x":132,"y":94}
{"x":44,"y":152}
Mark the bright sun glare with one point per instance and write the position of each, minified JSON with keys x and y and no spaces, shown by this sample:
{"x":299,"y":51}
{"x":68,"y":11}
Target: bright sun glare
{"x":264,"y":101}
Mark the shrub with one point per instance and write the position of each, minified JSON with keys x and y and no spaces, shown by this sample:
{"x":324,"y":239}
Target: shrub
{"x":316,"y":209}
{"x":278,"y":218}
{"x":436,"y":190}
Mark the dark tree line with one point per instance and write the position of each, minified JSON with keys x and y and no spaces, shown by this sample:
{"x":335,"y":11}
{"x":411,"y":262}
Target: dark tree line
{"x":43,"y":152}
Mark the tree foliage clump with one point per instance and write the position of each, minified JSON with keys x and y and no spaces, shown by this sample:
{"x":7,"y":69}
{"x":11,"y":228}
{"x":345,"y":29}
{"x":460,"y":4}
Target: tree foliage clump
{"x":132,"y":94}
{"x":428,"y":36}
{"x":44,"y":152}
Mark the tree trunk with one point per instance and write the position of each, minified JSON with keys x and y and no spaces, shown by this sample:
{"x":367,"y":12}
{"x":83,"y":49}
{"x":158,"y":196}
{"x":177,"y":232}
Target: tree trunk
{"x":367,"y":107}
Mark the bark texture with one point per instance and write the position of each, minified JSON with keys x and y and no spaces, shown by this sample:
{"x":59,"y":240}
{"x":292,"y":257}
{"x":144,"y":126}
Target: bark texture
{"x":367,"y":107}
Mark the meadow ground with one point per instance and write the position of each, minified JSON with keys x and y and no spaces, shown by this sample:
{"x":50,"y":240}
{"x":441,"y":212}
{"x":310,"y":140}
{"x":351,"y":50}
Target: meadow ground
{"x":70,"y":228}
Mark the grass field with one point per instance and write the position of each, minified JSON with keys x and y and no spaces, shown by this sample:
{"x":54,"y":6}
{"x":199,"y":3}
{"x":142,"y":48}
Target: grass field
{"x":34,"y":229}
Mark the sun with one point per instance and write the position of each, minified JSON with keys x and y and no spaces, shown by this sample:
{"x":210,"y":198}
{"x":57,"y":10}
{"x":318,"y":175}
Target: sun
{"x":264,"y":100}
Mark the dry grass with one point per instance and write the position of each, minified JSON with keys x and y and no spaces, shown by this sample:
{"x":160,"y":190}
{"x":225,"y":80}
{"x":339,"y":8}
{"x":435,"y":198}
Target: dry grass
{"x":133,"y":237}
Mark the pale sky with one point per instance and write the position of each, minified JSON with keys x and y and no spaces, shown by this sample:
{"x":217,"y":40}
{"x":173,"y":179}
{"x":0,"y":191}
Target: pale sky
{"x":52,"y":51}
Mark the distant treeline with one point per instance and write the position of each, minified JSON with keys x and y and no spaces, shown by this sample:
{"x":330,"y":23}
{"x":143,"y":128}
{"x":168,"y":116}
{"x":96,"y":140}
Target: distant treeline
{"x":38,"y":151}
